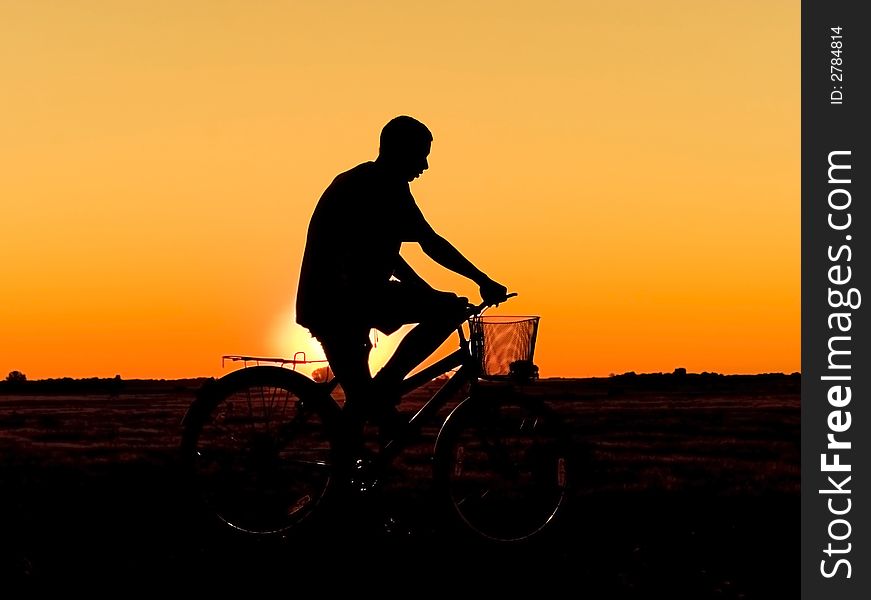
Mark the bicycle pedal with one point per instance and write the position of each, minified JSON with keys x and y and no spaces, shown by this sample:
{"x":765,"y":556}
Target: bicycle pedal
{"x":364,"y":479}
{"x":365,"y":486}
{"x":396,"y":528}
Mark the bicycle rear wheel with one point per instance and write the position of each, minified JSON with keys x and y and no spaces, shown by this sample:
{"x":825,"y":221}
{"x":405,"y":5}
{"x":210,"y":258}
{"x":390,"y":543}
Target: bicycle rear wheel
{"x":502,"y":466}
{"x":259,"y":450}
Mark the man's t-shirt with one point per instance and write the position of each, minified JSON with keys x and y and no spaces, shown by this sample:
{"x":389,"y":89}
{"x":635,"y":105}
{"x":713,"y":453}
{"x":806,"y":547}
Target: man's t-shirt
{"x":352,"y":247}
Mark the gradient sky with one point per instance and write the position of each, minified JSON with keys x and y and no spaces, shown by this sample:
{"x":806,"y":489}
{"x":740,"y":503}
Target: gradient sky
{"x":631,"y":168}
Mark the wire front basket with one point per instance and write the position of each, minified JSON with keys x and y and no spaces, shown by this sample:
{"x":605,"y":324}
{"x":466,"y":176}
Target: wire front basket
{"x":504,"y":346}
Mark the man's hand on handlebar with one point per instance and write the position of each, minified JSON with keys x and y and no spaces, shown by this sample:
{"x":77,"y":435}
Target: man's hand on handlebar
{"x":493,"y":293}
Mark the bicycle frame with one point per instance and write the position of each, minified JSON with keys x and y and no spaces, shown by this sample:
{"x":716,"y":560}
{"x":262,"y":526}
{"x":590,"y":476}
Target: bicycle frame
{"x":467,"y":373}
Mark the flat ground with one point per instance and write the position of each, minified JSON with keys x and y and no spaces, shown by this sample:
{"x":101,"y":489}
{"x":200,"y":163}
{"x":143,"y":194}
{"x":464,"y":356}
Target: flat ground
{"x":694,"y":493}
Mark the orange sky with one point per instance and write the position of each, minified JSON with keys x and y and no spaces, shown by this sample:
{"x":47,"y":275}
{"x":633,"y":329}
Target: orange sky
{"x":631,"y":168}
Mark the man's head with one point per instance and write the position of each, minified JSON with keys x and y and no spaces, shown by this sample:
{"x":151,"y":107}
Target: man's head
{"x":405,"y":144}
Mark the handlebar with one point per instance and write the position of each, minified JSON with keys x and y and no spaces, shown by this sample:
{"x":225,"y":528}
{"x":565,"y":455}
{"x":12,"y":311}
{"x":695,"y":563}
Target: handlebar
{"x":474,"y":309}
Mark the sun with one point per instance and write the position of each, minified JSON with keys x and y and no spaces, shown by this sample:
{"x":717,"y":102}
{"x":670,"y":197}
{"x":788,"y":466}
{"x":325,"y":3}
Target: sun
{"x":290,"y":338}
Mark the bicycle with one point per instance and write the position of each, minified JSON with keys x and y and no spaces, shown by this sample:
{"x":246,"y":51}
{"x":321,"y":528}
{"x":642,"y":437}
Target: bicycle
{"x":265,"y":445}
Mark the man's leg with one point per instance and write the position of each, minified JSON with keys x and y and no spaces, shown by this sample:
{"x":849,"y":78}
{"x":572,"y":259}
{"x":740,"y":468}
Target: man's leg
{"x":348,"y":355}
{"x":418,"y":344}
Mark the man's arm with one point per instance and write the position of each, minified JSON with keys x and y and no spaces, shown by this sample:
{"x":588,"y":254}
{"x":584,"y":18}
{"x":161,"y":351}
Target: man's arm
{"x":444,"y":253}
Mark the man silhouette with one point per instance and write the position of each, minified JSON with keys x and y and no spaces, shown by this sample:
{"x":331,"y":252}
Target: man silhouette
{"x":353,"y":278}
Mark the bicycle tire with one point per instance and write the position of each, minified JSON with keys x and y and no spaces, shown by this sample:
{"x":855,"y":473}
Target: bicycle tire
{"x":502,"y":466}
{"x":259,"y":450}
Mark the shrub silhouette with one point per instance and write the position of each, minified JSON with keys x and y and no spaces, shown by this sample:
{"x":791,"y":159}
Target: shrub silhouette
{"x":16,"y":377}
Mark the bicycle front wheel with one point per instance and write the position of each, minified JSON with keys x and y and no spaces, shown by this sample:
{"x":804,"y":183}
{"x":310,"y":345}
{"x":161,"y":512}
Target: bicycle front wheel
{"x":259,"y":450}
{"x":501,"y":464}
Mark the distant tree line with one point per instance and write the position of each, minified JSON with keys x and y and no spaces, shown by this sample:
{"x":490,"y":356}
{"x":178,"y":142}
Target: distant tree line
{"x":17,"y":382}
{"x":680,"y":380}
